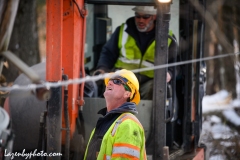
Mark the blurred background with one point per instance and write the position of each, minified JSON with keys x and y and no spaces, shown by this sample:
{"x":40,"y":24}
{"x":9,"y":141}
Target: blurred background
{"x":221,"y":103}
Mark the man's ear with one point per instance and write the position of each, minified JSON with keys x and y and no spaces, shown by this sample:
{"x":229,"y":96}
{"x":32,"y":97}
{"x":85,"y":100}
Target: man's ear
{"x":127,"y":94}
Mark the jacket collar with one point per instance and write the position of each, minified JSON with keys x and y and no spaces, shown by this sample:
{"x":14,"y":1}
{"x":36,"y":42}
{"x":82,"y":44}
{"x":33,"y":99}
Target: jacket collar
{"x":126,"y":107}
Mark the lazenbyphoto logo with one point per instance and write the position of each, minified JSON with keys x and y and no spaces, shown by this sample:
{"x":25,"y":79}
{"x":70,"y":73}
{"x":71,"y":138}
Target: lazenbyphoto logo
{"x":26,"y":155}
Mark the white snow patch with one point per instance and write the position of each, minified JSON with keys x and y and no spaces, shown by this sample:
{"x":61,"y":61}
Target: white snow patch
{"x":232,"y":116}
{"x":236,"y":103}
{"x":217,"y":157}
{"x":213,"y":128}
{"x":218,"y":101}
{"x":215,"y":119}
{"x":220,"y":131}
{"x":227,"y":144}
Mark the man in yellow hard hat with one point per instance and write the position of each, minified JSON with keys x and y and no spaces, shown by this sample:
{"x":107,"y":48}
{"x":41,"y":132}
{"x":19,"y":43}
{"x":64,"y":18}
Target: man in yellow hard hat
{"x":118,"y":134}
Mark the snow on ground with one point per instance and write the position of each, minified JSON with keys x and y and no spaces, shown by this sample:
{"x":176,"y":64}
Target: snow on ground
{"x":222,"y":101}
{"x":220,"y":138}
{"x":218,"y":101}
{"x":232,"y":116}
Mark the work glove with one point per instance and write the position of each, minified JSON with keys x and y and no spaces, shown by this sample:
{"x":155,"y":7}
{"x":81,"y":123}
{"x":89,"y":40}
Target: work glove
{"x":97,"y":72}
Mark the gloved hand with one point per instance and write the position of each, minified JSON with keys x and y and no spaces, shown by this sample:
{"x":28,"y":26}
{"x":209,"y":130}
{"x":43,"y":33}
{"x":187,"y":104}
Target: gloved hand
{"x":97,"y":72}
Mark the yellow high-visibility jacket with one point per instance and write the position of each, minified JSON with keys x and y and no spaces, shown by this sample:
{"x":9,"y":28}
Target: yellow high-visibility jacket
{"x":130,"y":55}
{"x":125,"y":139}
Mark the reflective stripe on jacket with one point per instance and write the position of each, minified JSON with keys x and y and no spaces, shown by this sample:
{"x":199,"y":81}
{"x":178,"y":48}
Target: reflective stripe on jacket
{"x":130,"y":55}
{"x":124,"y":139}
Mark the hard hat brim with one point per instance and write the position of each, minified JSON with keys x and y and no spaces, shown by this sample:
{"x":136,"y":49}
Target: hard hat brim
{"x":136,"y":98}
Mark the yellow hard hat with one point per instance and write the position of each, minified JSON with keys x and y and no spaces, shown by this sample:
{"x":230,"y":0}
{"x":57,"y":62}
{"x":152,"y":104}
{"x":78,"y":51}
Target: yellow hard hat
{"x":131,"y":81}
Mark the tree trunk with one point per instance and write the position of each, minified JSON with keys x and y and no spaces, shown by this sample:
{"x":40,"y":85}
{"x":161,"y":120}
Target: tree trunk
{"x":2,"y":8}
{"x":24,"y":39}
{"x":211,"y":49}
{"x":221,"y":72}
{"x":227,"y":19}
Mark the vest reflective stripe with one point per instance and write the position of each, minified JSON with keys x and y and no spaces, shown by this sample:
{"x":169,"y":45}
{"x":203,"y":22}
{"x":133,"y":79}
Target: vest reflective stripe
{"x":124,"y":40}
{"x":126,"y":150}
{"x":125,"y":60}
{"x":106,"y":157}
{"x":136,"y":61}
{"x":129,"y":116}
{"x":117,"y":123}
{"x":122,"y":118}
{"x":147,"y":64}
{"x":130,"y":55}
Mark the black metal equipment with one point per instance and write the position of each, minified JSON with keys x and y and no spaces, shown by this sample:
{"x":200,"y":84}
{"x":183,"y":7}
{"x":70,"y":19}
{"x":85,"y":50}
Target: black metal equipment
{"x":159,"y":91}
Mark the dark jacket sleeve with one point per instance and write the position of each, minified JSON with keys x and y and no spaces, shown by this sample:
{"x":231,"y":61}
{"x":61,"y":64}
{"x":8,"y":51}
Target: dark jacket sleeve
{"x":172,"y":57}
{"x":109,"y":53}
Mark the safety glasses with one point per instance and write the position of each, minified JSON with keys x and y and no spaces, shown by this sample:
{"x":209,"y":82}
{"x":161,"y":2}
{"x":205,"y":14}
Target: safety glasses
{"x":146,"y":16}
{"x":120,"y":82}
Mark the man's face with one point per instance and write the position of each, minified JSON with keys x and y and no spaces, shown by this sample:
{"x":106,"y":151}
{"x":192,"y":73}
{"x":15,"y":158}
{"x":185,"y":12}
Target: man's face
{"x":144,"y":22}
{"x":115,"y":90}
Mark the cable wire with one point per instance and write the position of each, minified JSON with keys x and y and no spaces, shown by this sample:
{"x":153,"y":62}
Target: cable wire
{"x":48,"y":85}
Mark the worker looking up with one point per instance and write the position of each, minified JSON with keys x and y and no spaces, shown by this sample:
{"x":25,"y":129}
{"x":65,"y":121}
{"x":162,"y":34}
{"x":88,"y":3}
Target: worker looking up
{"x":118,"y":134}
{"x":132,"y":46}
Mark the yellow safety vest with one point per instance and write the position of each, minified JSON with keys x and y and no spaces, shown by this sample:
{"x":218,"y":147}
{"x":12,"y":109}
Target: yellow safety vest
{"x":124,"y":139}
{"x":130,"y":55}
